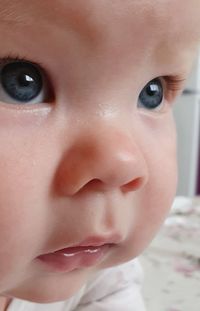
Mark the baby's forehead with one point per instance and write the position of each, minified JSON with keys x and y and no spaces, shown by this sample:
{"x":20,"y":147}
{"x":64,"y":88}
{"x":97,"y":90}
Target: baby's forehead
{"x":180,"y":17}
{"x":163,"y":25}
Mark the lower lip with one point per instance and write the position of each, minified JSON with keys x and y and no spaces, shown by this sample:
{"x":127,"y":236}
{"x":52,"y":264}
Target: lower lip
{"x":73,"y":258}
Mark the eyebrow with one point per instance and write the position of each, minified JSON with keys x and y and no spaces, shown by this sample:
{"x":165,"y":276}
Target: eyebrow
{"x":68,"y":19}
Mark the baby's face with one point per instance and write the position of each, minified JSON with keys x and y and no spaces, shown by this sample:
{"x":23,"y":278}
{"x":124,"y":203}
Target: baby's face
{"x":91,"y":151}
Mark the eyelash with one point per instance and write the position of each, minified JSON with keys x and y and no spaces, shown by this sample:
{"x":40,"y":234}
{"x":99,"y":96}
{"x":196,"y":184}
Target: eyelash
{"x":15,"y":57}
{"x":174,"y":83}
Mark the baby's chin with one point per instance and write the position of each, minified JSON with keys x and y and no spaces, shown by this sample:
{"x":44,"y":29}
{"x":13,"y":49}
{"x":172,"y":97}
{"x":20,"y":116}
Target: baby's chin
{"x":50,"y":288}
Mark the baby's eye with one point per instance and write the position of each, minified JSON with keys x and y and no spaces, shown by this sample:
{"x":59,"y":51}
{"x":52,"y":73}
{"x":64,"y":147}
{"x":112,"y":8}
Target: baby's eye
{"x":21,"y":82}
{"x":151,"y":97}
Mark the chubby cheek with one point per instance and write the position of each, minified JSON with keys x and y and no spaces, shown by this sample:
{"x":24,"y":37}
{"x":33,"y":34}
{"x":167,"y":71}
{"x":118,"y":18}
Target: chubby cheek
{"x":155,"y":202}
{"x":152,"y":203}
{"x":20,"y":236}
{"x":22,"y":211}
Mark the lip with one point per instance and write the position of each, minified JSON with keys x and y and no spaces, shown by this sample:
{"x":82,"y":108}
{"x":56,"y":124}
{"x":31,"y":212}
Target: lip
{"x":90,"y":252}
{"x":101,"y":240}
{"x":72,"y":258}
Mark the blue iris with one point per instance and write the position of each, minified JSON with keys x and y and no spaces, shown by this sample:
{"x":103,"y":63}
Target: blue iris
{"x":152,"y":94}
{"x":22,"y":81}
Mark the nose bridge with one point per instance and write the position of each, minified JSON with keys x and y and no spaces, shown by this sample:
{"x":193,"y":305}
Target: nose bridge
{"x":105,"y":154}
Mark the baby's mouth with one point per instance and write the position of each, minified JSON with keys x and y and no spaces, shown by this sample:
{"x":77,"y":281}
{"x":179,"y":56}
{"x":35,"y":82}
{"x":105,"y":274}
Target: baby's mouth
{"x":88,"y":253}
{"x":69,"y":259}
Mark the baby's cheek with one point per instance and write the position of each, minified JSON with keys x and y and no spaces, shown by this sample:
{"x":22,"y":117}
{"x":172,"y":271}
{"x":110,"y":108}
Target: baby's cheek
{"x":152,"y":203}
{"x":19,"y":239}
{"x":156,"y":198}
{"x":13,"y":249}
{"x":20,"y":224}
{"x":149,"y":206}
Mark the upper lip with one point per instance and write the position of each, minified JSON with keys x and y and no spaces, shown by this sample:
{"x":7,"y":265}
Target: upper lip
{"x":93,"y":240}
{"x":98,"y":240}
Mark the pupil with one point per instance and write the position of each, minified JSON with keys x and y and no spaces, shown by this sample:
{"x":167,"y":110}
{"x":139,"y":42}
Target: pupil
{"x":152,"y":89}
{"x":24,"y":80}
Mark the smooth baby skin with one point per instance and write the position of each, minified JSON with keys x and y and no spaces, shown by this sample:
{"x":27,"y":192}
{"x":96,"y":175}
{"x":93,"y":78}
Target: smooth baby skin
{"x":88,"y":159}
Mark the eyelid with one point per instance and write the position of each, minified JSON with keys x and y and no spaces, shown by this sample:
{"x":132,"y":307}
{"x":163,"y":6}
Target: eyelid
{"x":174,"y":83}
{"x":15,"y":57}
{"x":173,"y":86}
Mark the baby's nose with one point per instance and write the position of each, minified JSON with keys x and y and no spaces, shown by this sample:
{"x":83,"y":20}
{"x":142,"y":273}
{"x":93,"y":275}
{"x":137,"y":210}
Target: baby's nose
{"x":103,"y":160}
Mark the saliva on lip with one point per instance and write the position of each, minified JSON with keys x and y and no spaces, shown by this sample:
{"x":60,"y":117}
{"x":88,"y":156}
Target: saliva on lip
{"x":90,"y":251}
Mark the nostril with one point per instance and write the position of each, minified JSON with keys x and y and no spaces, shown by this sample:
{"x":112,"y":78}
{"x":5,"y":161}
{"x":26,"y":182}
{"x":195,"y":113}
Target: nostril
{"x":94,"y":185}
{"x":133,"y":185}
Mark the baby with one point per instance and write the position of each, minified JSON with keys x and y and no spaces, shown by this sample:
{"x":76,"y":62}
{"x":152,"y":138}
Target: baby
{"x":88,"y":145}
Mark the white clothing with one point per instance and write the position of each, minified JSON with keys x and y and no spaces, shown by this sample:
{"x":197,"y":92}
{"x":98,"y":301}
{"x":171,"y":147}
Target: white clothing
{"x":117,"y":288}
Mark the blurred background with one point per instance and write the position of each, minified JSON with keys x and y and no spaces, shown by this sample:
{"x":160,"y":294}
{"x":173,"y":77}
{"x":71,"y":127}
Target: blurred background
{"x":187,"y":116}
{"x":172,"y":262}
